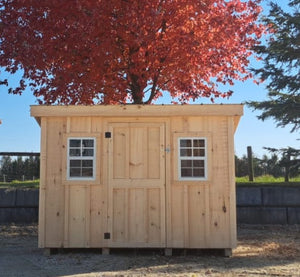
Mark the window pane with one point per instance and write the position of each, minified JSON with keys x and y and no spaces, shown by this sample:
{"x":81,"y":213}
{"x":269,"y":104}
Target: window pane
{"x":89,"y":152}
{"x":87,"y":163}
{"x":75,"y":163}
{"x":88,"y":143}
{"x":186,"y":163}
{"x":75,"y":172}
{"x":186,"y":172}
{"x":79,"y":165}
{"x":198,"y":143}
{"x":75,"y":142}
{"x":191,"y":157}
{"x":87,"y":172}
{"x":74,"y":152}
{"x":185,"y":152}
{"x":198,"y":163}
{"x":198,"y":152}
{"x":185,"y":143}
{"x":198,"y":172}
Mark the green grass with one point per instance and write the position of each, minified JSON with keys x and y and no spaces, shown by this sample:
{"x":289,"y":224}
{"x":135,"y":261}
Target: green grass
{"x":240,"y":181}
{"x":20,"y":184}
{"x":267,"y":180}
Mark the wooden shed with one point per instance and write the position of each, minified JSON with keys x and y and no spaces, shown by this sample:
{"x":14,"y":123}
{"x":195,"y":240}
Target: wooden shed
{"x":134,"y":176}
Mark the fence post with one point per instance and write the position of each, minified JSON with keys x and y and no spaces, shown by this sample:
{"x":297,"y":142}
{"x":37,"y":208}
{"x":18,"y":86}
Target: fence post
{"x":250,"y":164}
{"x":287,"y":168}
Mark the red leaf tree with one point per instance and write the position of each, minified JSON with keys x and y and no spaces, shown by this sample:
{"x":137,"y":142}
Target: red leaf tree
{"x":125,"y":51}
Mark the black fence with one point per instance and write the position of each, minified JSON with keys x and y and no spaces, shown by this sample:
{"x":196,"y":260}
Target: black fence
{"x":255,"y":205}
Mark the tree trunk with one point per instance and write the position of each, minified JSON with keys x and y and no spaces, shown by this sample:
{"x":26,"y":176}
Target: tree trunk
{"x":136,"y":90}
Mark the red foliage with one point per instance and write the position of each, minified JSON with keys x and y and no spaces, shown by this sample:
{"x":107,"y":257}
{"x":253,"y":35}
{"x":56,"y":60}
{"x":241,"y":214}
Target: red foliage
{"x":120,"y":51}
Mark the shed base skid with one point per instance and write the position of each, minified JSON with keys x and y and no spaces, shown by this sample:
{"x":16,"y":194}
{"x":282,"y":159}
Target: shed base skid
{"x":53,"y":251}
{"x":105,"y":251}
{"x":168,"y":252}
{"x":227,"y":252}
{"x":223,"y":252}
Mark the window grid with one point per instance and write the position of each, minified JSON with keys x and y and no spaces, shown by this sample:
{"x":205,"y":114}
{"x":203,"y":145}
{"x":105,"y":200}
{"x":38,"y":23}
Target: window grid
{"x":192,"y":158}
{"x":81,"y":158}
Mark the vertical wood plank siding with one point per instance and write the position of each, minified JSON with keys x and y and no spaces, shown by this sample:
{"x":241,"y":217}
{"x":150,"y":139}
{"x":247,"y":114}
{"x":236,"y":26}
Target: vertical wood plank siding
{"x":136,"y":198}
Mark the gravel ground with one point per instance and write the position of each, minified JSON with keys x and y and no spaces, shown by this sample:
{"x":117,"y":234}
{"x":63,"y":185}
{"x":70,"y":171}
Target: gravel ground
{"x":261,"y":251}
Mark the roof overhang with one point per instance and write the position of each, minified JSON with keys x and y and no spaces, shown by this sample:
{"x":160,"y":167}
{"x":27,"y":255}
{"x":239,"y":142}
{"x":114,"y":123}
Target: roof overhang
{"x":235,"y":110}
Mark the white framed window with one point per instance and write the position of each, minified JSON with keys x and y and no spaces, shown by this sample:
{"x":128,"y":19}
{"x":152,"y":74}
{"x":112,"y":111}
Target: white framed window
{"x":192,"y":158}
{"x":81,"y":158}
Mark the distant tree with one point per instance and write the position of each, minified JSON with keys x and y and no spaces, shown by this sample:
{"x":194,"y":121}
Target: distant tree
{"x":6,"y":168}
{"x":31,"y":167}
{"x":116,"y":51}
{"x":290,"y":161}
{"x":263,"y":164}
{"x":242,"y":169}
{"x":258,"y":167}
{"x":241,"y":166}
{"x":281,"y":58}
{"x":266,"y":165}
{"x":17,"y":169}
{"x":274,"y":167}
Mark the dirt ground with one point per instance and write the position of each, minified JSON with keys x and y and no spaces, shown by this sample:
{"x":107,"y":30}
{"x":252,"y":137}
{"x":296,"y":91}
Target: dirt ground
{"x":261,"y":251}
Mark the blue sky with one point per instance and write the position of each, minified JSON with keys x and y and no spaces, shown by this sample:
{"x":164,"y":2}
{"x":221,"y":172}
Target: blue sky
{"x":20,"y":132}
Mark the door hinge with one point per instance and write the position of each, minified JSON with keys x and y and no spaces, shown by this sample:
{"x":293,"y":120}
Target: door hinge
{"x":107,"y":134}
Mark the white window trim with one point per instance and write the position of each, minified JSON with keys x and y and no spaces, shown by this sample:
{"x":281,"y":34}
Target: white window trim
{"x":205,"y":178}
{"x":81,"y":158}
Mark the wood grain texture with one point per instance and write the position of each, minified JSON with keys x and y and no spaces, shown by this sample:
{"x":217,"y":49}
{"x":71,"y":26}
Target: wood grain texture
{"x":137,"y":199}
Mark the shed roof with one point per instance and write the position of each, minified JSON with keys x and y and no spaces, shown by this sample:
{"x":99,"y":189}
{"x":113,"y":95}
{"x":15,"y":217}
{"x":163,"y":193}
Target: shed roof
{"x":235,"y":110}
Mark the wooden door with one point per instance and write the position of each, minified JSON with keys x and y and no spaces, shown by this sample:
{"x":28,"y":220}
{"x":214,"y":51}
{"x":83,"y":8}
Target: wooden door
{"x":136,"y":185}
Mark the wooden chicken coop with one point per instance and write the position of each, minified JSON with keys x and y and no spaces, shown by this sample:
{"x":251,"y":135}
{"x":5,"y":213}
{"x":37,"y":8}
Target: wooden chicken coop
{"x":153,"y":176}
